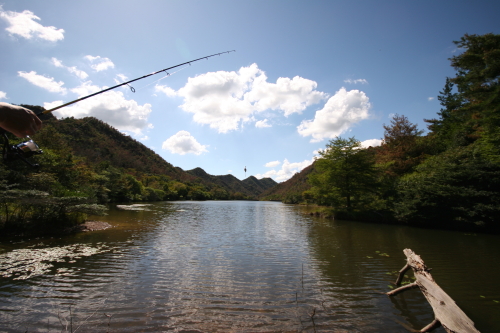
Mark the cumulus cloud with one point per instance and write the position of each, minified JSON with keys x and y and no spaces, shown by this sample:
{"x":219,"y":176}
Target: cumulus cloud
{"x":24,"y":24}
{"x":262,"y":124}
{"x":3,"y":95}
{"x":430,"y":98}
{"x":44,"y":82}
{"x":371,"y":142}
{"x":110,"y":107}
{"x":57,"y":62}
{"x":340,"y":112}
{"x":73,"y":70}
{"x":225,"y":100}
{"x":121,"y":78}
{"x":183,"y":143}
{"x":362,"y":81}
{"x":166,"y":90}
{"x":100,"y":63}
{"x":287,"y":170}
{"x":272,"y":164}
{"x":289,"y":95}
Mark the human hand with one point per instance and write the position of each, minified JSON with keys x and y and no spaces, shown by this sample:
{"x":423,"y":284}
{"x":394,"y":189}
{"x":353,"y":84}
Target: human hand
{"x":18,"y":120}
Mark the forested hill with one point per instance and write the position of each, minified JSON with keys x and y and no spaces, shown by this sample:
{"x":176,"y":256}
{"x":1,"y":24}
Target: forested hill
{"x":250,"y":186}
{"x":102,"y":143}
{"x":291,"y":190}
{"x":96,"y":160}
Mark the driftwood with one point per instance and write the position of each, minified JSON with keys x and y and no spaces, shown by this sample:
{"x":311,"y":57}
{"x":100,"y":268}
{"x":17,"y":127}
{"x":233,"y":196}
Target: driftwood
{"x":446,"y":311}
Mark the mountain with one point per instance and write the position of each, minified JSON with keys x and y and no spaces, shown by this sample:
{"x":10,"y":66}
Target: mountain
{"x":251,"y":186}
{"x":290,"y":190}
{"x":102,"y":144}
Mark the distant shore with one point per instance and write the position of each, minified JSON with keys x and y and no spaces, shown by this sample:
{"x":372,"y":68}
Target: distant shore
{"x":90,"y":226}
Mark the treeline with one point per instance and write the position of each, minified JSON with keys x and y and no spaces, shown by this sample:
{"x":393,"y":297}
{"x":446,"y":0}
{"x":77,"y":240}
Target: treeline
{"x":87,"y":163}
{"x":449,"y":178}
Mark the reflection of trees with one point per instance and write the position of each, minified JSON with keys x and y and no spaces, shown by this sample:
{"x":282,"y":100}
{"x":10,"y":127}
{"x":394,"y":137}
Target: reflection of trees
{"x":355,"y":275}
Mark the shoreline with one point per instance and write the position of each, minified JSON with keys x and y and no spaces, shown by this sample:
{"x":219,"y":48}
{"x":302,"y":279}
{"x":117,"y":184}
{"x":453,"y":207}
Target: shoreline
{"x":90,"y":225}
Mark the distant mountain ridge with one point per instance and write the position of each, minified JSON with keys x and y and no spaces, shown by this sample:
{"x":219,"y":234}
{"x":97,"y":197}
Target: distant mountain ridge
{"x":291,"y":190}
{"x":250,"y":186}
{"x":101,"y":143}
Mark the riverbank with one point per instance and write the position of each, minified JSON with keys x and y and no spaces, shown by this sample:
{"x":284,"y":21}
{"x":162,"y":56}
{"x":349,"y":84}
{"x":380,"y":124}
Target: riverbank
{"x":86,"y":226}
{"x":381,"y":217}
{"x":89,"y":226}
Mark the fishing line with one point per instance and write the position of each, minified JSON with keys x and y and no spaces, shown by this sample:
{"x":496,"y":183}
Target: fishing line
{"x":127,"y":83}
{"x":168,"y":74}
{"x":29,"y":148}
{"x":134,"y":90}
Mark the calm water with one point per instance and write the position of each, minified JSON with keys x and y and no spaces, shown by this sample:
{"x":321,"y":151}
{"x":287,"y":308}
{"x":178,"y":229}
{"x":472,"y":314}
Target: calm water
{"x":239,"y":267}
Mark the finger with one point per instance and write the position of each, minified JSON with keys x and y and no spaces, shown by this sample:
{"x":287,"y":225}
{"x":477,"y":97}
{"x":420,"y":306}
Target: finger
{"x":18,"y":134}
{"x":31,"y":130}
{"x":38,"y":123}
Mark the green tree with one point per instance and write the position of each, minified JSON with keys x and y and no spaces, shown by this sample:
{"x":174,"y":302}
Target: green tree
{"x":345,"y":174}
{"x":447,"y":130}
{"x":455,"y":189}
{"x":472,"y":113}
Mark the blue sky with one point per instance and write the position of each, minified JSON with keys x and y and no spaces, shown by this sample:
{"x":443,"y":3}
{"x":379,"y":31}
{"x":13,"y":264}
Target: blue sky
{"x":303,"y":71}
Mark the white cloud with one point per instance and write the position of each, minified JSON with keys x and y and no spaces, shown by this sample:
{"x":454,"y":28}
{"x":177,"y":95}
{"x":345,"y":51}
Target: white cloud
{"x":24,"y":25}
{"x":121,"y":78}
{"x":272,"y":164}
{"x":57,"y":62}
{"x":340,"y":112}
{"x":99,"y":63}
{"x":44,"y":82}
{"x":73,"y":70}
{"x":3,"y":95}
{"x":262,"y":124}
{"x":371,"y":142}
{"x":225,"y":100}
{"x":287,"y":170}
{"x":183,"y":143}
{"x":362,"y":81}
{"x":110,"y":107}
{"x":85,"y":89}
{"x":289,"y":95}
{"x":430,"y":98}
{"x":166,"y":90}
{"x":81,"y":74}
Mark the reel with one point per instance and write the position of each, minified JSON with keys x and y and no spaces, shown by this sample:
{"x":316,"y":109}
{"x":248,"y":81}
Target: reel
{"x":22,"y":151}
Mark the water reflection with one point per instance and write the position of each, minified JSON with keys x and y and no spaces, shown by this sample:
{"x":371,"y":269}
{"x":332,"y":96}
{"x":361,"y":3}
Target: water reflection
{"x":244,"y":266}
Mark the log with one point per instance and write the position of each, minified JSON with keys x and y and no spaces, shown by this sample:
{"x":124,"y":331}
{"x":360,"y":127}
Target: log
{"x":446,"y":311}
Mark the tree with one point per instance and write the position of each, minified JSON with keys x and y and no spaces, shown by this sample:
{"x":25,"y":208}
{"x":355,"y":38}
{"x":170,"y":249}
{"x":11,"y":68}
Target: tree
{"x":446,"y":130}
{"x":478,"y":73}
{"x":400,"y":150}
{"x":472,"y":113}
{"x":345,"y":172}
{"x":455,"y":189}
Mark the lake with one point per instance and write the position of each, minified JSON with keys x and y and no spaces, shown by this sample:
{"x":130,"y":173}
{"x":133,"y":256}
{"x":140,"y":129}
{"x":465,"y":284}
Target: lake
{"x":239,"y":266}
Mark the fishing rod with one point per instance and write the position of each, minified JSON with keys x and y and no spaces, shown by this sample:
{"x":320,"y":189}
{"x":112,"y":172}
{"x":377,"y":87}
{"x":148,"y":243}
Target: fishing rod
{"x":127,"y":83}
{"x":29,"y":148}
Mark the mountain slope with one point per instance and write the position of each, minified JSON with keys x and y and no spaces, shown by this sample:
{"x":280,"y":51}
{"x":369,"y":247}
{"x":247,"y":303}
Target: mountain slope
{"x":290,"y":189}
{"x":250,"y":186}
{"x":101,"y":143}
